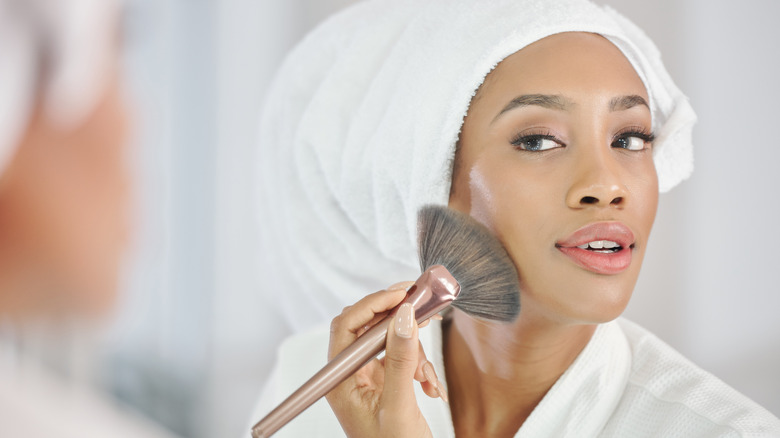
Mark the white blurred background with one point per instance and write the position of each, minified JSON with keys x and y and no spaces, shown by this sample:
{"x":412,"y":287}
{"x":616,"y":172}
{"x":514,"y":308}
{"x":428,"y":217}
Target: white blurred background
{"x":196,"y":331}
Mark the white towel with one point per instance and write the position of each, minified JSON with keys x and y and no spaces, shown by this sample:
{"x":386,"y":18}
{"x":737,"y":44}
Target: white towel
{"x":73,"y":41}
{"x":361,"y":122}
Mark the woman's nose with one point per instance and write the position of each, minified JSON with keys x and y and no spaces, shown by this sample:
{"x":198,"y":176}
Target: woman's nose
{"x":597,"y":184}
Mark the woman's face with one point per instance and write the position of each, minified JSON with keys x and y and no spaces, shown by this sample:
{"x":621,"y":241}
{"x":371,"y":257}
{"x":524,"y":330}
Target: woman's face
{"x":556,"y":159}
{"x":63,"y":214}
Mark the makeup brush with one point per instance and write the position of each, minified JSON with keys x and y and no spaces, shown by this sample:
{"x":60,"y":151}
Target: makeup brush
{"x":463,"y":265}
{"x":486,"y":275}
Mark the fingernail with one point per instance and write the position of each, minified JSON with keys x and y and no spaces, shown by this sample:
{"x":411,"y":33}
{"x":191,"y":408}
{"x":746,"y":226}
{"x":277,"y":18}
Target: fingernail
{"x":443,"y":394}
{"x":430,"y":375}
{"x":404,"y":321}
{"x":400,"y":285}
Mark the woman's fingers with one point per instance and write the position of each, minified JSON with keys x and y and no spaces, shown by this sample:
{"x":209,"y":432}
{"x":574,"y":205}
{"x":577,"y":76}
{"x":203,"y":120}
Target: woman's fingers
{"x":401,"y":362}
{"x":379,"y":399}
{"x":419,"y":375}
{"x":432,"y":386}
{"x":405,"y":285}
{"x":426,"y":375}
{"x":358,"y":318}
{"x":345,"y":328}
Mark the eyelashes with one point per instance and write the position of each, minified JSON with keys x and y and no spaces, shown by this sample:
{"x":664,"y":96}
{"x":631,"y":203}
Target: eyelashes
{"x":536,"y":141}
{"x":633,"y":138}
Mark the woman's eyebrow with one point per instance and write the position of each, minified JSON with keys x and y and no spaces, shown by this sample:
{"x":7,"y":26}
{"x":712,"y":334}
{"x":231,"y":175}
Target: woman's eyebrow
{"x":550,"y":101}
{"x":622,"y":103}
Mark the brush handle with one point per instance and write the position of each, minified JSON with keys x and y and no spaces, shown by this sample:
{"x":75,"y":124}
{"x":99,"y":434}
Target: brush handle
{"x":431,"y":293}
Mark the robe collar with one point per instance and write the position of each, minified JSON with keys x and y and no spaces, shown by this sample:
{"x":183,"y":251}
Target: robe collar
{"x":579,"y":403}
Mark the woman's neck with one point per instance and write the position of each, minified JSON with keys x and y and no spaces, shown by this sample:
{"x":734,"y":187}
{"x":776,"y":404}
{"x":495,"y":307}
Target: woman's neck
{"x":498,"y":373}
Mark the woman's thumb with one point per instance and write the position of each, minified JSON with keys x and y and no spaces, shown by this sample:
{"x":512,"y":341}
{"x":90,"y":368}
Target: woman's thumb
{"x":401,"y":358}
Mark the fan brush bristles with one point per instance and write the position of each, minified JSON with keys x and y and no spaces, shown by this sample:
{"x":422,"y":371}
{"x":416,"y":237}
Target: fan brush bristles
{"x":488,"y":279}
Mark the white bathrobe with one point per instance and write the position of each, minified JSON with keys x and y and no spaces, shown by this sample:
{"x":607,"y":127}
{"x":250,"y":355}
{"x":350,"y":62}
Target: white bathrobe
{"x":625,"y":383}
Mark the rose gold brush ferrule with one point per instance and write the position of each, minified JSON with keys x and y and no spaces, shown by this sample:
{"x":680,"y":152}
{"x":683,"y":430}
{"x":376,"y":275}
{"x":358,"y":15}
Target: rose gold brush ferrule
{"x":433,"y":291}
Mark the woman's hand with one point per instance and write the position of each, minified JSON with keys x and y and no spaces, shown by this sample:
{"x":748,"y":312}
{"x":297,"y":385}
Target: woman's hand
{"x":379,"y":400}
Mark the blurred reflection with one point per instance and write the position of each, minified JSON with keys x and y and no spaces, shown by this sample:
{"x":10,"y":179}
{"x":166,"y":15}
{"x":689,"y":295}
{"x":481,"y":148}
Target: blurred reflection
{"x":63,"y":198}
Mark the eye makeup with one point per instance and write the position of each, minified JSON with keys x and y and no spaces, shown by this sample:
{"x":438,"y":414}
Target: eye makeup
{"x":634,"y":138}
{"x":537,"y":140}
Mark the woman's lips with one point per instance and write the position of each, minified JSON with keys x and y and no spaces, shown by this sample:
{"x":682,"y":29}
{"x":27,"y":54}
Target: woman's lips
{"x":601,"y":259}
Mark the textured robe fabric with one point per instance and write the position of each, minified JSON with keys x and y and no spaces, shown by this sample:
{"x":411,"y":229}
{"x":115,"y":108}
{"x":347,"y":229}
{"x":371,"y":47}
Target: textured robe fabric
{"x":625,"y":383}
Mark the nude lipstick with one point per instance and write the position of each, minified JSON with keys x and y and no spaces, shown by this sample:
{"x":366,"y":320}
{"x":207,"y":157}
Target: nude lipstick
{"x":602,"y":247}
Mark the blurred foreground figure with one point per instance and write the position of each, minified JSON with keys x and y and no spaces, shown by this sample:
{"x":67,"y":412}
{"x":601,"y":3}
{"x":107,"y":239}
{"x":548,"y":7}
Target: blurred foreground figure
{"x":63,"y":199}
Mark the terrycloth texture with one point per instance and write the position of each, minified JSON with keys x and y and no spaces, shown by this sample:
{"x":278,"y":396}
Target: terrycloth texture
{"x":625,"y":383}
{"x":73,"y":39}
{"x":360,"y":127}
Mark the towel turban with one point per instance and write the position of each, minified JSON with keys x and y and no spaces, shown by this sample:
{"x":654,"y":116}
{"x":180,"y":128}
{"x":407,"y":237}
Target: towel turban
{"x":360,"y":126}
{"x":56,"y":50}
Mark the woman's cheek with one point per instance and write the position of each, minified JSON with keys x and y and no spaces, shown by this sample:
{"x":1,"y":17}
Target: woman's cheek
{"x":644,"y":190}
{"x":483,"y":202}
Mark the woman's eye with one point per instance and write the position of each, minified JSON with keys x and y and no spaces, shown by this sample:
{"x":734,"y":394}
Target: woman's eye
{"x":631,"y":143}
{"x":535,"y":143}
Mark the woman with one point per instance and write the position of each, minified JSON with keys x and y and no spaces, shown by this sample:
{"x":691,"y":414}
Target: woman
{"x":573,"y":128}
{"x":63,"y":196}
